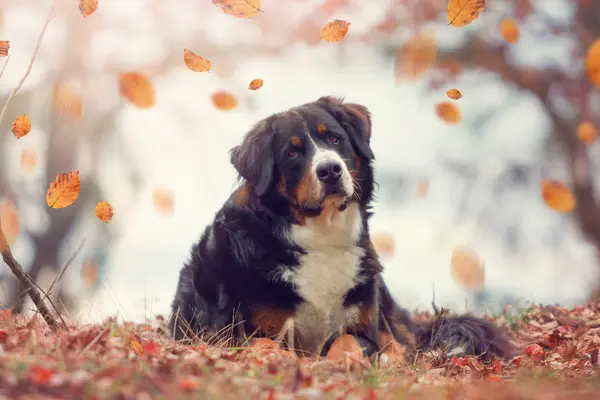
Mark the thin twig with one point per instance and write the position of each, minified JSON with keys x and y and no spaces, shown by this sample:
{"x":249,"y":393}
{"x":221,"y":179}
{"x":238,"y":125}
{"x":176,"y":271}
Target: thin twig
{"x":64,"y":269}
{"x":4,"y":66}
{"x":24,"y":279}
{"x":28,"y":71}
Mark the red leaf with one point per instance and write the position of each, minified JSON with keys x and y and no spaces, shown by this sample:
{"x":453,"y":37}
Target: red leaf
{"x":40,"y":375}
{"x":151,"y":348}
{"x":535,"y":352}
{"x":371,"y":395}
{"x":496,"y":367}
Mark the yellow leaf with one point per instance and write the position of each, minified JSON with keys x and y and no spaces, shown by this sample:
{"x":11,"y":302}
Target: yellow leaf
{"x":592,"y":63}
{"x":89,"y":273}
{"x":4,"y":47}
{"x":467,"y":269}
{"x":415,"y":57}
{"x":137,"y":89}
{"x":383,"y":244}
{"x":104,"y":211}
{"x":9,"y":221}
{"x":586,"y":132}
{"x":463,"y":12}
{"x":448,"y":112}
{"x":239,"y":8}
{"x":64,"y":190}
{"x":67,"y":102}
{"x":137,"y":347}
{"x":558,"y":196}
{"x":255,"y":84}
{"x":510,"y":30}
{"x":335,"y":30}
{"x":454,"y":94}
{"x":87,"y":7}
{"x":224,"y":101}
{"x":163,"y":201}
{"x":195,"y":62}
{"x":21,"y":126}
{"x":29,"y":160}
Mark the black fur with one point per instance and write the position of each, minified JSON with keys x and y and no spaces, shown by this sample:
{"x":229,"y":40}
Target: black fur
{"x":234,"y":270}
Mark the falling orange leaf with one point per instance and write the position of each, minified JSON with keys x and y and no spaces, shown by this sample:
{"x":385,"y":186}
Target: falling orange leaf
{"x":557,"y":196}
{"x":383,"y":244}
{"x":255,"y":84}
{"x":510,"y":30}
{"x":163,"y":201}
{"x":448,"y":112}
{"x":454,"y":94}
{"x":196,"y":63}
{"x":137,"y":89}
{"x":415,"y":57}
{"x":9,"y":221}
{"x":335,"y":30}
{"x":463,"y":12}
{"x":87,"y":7}
{"x":104,"y":211}
{"x":89,"y":273}
{"x":64,"y":190}
{"x":67,"y":102}
{"x":224,"y":101}
{"x":467,"y":269}
{"x":29,"y":160}
{"x":239,"y":8}
{"x":4,"y":47}
{"x":423,"y":188}
{"x":21,"y":126}
{"x":586,"y":132}
{"x":592,"y":63}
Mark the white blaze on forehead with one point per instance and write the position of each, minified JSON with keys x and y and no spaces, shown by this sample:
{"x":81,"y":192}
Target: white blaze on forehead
{"x":325,"y":156}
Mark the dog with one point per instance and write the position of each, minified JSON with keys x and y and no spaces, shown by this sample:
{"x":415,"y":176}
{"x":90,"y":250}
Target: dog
{"x":290,"y":252}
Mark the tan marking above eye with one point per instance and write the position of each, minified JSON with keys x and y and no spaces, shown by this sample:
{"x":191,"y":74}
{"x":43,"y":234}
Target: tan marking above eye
{"x":322,"y":128}
{"x":296,"y":141}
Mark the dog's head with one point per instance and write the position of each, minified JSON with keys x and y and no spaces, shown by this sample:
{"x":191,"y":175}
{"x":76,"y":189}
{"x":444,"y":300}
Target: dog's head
{"x":316,"y":155}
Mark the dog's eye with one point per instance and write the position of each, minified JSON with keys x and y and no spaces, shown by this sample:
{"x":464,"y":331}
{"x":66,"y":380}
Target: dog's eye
{"x":293,"y":154}
{"x":333,"y":139}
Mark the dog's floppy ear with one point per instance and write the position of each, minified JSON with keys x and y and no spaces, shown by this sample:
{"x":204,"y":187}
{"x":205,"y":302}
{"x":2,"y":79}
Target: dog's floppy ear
{"x":253,"y":159}
{"x":356,"y":120}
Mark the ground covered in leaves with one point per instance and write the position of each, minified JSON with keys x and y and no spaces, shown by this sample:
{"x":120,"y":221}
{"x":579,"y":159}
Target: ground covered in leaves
{"x":558,"y":359}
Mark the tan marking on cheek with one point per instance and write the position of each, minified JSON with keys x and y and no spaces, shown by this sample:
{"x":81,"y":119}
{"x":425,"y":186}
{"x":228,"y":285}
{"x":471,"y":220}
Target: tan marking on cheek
{"x":303,"y":193}
{"x":270,"y":321}
{"x":296,"y":141}
{"x":241,"y":195}
{"x":282,"y":186}
{"x":322,"y":128}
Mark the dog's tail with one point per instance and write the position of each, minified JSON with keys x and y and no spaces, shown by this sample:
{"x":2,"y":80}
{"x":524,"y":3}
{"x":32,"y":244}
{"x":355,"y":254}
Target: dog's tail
{"x":458,"y":335}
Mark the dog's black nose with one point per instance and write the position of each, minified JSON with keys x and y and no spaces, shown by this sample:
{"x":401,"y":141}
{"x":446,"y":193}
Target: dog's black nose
{"x":329,"y":172}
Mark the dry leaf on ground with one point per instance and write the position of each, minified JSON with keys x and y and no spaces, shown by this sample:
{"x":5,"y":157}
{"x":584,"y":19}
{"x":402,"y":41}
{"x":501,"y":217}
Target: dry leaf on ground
{"x":466,"y":269}
{"x":592,"y":63}
{"x":454,"y":94}
{"x":4,"y":47}
{"x":510,"y":30}
{"x":557,"y":196}
{"x":137,"y":89}
{"x":64,"y":190}
{"x":448,"y":112}
{"x":224,"y":101}
{"x":335,"y":30}
{"x":163,"y":201}
{"x":87,"y":7}
{"x":255,"y":84}
{"x":586,"y":132}
{"x":21,"y":126}
{"x":104,"y":211}
{"x":29,"y":160}
{"x":384,"y":244}
{"x":415,"y":57}
{"x":9,"y":221}
{"x":89,"y":273}
{"x":345,"y":346}
{"x":463,"y":12}
{"x":239,"y":8}
{"x":196,"y":63}
{"x":67,"y":102}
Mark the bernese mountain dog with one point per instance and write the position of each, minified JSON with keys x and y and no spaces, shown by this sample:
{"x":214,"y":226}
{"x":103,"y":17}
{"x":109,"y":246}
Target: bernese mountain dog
{"x":290,"y":251}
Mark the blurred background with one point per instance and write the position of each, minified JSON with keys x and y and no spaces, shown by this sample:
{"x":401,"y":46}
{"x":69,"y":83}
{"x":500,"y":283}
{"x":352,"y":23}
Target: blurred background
{"x":165,"y":167}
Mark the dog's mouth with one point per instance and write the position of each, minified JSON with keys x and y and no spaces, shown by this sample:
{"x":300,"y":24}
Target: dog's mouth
{"x":337,"y":200}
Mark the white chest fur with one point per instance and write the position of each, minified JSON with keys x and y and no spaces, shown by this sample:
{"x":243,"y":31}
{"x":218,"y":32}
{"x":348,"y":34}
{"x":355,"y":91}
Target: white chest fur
{"x":325,"y":274}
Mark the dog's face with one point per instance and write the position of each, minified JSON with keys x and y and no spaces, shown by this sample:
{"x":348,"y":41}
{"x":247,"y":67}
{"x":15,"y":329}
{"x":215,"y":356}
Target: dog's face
{"x":315,"y":155}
